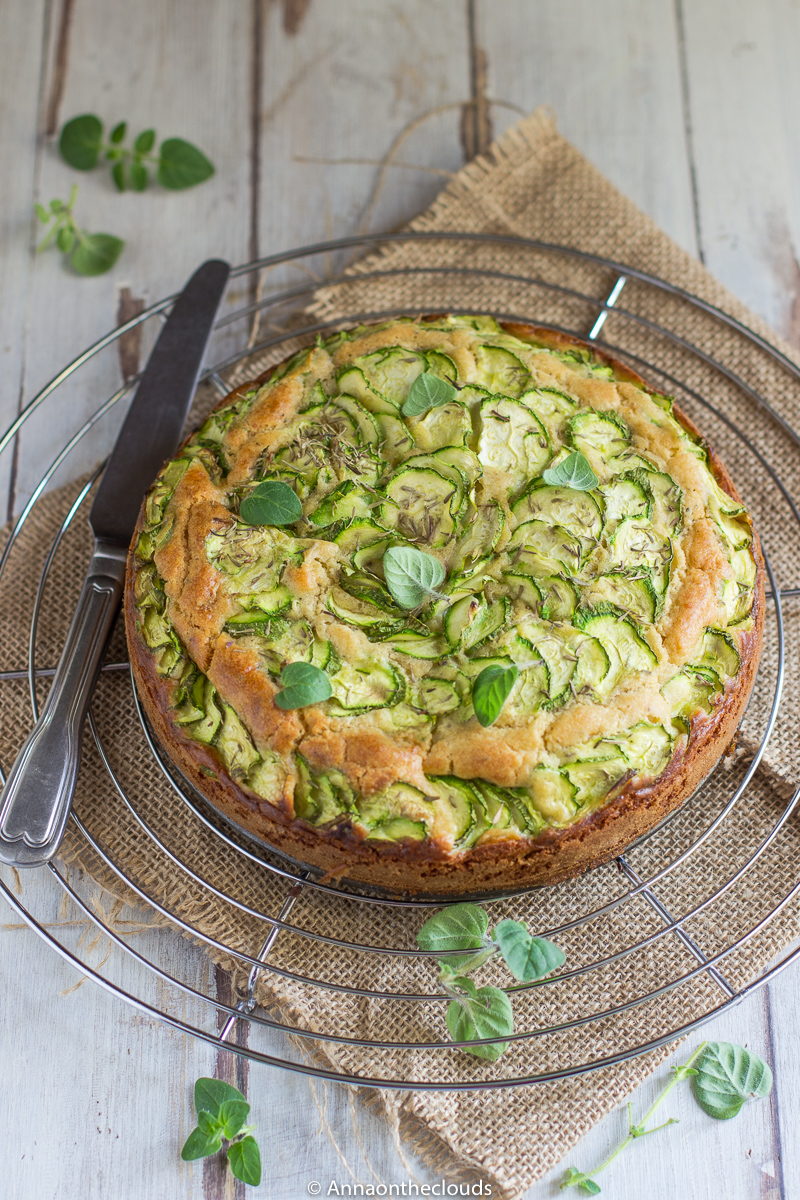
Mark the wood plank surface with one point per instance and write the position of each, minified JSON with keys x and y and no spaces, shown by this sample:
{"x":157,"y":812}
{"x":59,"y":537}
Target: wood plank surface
{"x":689,"y":109}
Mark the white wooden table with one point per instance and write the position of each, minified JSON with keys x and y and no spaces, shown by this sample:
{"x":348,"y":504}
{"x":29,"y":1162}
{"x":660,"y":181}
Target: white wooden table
{"x":692,"y":107}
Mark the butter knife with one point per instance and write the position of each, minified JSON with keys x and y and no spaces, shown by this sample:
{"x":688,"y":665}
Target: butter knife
{"x":37,"y":797}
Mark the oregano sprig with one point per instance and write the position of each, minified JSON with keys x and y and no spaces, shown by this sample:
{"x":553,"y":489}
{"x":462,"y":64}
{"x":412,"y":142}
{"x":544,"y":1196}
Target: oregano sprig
{"x":411,"y":575}
{"x":426,"y":392}
{"x":178,"y":163}
{"x":88,"y":253}
{"x":221,"y":1114}
{"x":486,"y":1012}
{"x":574,"y":471}
{"x":723,"y":1077}
{"x":302,"y":684}
{"x":491,"y":690}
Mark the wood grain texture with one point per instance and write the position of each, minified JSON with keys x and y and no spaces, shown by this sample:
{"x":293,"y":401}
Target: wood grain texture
{"x":98,"y":1096}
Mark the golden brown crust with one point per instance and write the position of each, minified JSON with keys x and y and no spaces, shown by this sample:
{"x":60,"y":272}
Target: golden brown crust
{"x":375,"y":760}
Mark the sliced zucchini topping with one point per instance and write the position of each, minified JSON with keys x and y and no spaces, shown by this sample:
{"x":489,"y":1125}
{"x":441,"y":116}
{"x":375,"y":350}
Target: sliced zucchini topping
{"x":560,"y":582}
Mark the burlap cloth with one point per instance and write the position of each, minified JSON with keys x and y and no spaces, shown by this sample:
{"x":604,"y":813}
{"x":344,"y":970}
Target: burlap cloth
{"x":531,"y":184}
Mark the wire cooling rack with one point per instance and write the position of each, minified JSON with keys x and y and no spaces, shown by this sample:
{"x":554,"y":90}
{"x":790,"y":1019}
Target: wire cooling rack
{"x":336,"y":987}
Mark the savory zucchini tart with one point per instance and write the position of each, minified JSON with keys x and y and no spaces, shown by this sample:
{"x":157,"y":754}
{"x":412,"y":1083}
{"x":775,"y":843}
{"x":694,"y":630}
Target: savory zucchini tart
{"x":445,"y":605}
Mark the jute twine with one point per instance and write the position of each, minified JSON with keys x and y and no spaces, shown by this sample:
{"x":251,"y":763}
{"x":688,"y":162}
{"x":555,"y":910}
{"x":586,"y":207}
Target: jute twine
{"x":535,"y":185}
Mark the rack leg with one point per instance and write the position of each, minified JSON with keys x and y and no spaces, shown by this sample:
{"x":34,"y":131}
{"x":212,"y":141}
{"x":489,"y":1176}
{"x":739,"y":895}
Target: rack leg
{"x":247,"y":1005}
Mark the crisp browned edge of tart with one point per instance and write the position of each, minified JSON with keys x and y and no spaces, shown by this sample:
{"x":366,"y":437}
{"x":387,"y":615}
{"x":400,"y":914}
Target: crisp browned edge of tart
{"x":500,"y":865}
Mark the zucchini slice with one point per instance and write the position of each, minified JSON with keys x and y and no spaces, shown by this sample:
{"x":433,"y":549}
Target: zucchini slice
{"x":391,"y":372}
{"x":471,"y":621}
{"x":633,"y":592}
{"x":636,"y":543}
{"x":441,"y":365}
{"x":396,"y":441}
{"x":620,"y":637}
{"x":417,"y":645}
{"x":599,"y":431}
{"x":550,"y":544}
{"x":234,"y":745}
{"x":362,"y":688}
{"x":553,"y":408}
{"x":364,"y":423}
{"x":437,"y":696}
{"x":624,"y":496}
{"x":400,"y":802}
{"x":552,"y":795}
{"x":592,"y":670}
{"x":465,"y":460}
{"x":577,"y":512}
{"x":422,"y":505}
{"x":512,"y":440}
{"x":374,"y":621}
{"x":448,"y":425}
{"x":353,"y":382}
{"x":594,"y":778}
{"x":501,"y":371}
{"x":359,"y":533}
{"x":720,"y":653}
{"x":346,"y":501}
{"x":483,"y":525}
{"x":205,"y":730}
{"x":458,"y":794}
{"x":648,"y":748}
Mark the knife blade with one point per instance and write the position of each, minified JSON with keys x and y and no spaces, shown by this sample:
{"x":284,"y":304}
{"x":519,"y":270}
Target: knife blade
{"x":37,"y":797}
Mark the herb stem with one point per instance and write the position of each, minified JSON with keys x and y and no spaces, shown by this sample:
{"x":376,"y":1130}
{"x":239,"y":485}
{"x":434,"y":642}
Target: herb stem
{"x":578,"y":1179}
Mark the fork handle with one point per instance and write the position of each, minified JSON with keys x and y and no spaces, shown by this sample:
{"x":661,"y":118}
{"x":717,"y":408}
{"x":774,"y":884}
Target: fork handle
{"x":36,"y":800}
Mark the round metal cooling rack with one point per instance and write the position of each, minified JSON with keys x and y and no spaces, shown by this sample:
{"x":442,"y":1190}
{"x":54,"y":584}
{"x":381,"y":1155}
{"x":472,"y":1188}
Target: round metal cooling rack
{"x":349,"y":947}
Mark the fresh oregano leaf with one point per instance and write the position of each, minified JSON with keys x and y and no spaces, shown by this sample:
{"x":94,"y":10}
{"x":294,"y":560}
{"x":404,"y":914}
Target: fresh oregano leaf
{"x":480,"y":1013}
{"x":42,"y":213}
{"x":118,"y":175}
{"x":526,"y":957}
{"x":411,"y":575}
{"x":245,"y":1160}
{"x":117,"y":134}
{"x":138,"y":174}
{"x":96,"y":253}
{"x":573,"y":472}
{"x":232,"y":1116}
{"x":459,"y":927}
{"x":182,"y":165}
{"x":575,"y":1178}
{"x":65,"y":239}
{"x":491,"y":690}
{"x":271,"y":503}
{"x":211,"y":1094}
{"x":198,"y":1145}
{"x":145,"y":141}
{"x":209,"y":1124}
{"x":727,"y":1076}
{"x":427,"y":391}
{"x":80,"y":142}
{"x":303,"y":684}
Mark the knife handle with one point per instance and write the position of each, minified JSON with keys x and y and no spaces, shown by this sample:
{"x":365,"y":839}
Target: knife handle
{"x":37,"y":797}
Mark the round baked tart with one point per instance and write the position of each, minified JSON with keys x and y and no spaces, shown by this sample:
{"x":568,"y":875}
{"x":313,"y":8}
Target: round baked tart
{"x":445,"y":605}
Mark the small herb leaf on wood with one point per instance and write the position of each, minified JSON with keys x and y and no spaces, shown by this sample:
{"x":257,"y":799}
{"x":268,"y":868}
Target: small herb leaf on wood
{"x":573,"y":472}
{"x":427,"y":391}
{"x":245,"y":1161}
{"x":491,"y":690}
{"x":232,"y":1116}
{"x":211,"y":1094}
{"x":479,"y":1013}
{"x":411,"y":575}
{"x":303,"y":684}
{"x":181,"y":165}
{"x":526,"y":957}
{"x":96,"y":253}
{"x":81,"y":141}
{"x":727,"y":1076}
{"x":272,"y":502}
{"x":199,"y":1145}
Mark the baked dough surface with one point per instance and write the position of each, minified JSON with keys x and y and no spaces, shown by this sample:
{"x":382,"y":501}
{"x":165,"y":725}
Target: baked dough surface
{"x":633,"y":611}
